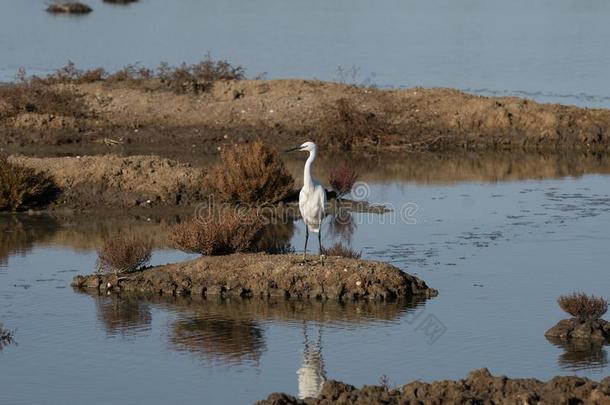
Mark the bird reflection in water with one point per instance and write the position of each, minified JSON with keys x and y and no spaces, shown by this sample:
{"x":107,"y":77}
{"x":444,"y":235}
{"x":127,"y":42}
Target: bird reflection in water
{"x":312,"y":374}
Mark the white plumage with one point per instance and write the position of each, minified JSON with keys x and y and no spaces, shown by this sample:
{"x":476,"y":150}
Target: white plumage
{"x":312,"y":198}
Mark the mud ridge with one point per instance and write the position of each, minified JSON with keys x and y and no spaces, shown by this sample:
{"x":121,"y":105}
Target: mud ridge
{"x":264,"y":275}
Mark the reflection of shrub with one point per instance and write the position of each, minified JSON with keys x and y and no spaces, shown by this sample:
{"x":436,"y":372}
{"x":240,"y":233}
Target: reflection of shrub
{"x":342,"y":179}
{"x":251,"y":173}
{"x":343,"y":251}
{"x":22,"y":187}
{"x":70,"y":7}
{"x":123,"y":254}
{"x":225,"y":232}
{"x":344,"y":125}
{"x":6,"y":336}
{"x":583,"y":306}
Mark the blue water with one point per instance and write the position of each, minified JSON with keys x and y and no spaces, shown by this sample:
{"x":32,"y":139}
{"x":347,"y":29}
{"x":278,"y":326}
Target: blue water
{"x":548,"y":50}
{"x":499,"y":254}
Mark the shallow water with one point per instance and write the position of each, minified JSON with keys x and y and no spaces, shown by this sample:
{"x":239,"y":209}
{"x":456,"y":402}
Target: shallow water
{"x":498,"y":252}
{"x":549,"y":50}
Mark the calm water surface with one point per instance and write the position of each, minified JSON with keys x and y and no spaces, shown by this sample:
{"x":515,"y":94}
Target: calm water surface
{"x":549,"y":50}
{"x":499,"y":253}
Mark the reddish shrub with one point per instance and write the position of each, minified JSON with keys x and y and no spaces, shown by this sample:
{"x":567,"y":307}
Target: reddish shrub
{"x":224,"y":232}
{"x":123,"y":254}
{"x":342,"y":179}
{"x":583,"y":306}
{"x":252,"y":174}
{"x":22,"y":187}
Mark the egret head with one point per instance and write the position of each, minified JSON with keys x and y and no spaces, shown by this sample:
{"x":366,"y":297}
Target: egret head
{"x":306,"y":147}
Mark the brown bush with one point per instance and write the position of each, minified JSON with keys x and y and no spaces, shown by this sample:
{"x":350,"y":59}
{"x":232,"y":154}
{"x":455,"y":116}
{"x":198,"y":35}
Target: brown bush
{"x":22,"y":187}
{"x":343,"y":251}
{"x":38,"y":97}
{"x":250,"y":173}
{"x":123,"y":254}
{"x":342,"y":179}
{"x":583,"y":306}
{"x":218,"y":233}
{"x":343,"y":124}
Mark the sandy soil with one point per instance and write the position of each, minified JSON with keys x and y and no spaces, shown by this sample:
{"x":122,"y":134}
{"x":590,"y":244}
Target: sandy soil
{"x":136,"y":181}
{"x":289,"y":111}
{"x":263,"y":275}
{"x":480,"y":387}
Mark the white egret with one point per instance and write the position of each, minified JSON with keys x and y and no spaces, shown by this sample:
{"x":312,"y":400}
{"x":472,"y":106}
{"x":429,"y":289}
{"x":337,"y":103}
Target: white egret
{"x":312,"y":198}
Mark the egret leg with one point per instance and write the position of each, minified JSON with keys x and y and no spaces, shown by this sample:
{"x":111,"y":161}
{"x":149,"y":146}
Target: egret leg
{"x":306,"y":238}
{"x":322,"y":256}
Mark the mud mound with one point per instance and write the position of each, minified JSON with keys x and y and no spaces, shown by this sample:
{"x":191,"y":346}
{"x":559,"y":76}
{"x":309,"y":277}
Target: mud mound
{"x":480,"y":387}
{"x":91,"y":181}
{"x":262,"y":275}
{"x":283,"y":112}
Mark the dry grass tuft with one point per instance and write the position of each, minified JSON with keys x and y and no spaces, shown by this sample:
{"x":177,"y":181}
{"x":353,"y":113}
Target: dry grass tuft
{"x":251,"y":174}
{"x":123,"y":254}
{"x":583,"y":306}
{"x":22,"y":187}
{"x":218,"y":233}
{"x":342,"y":179}
{"x":343,"y":251}
{"x":344,"y":124}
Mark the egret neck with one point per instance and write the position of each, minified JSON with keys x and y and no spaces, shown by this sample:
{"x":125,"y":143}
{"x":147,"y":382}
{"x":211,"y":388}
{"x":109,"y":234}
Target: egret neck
{"x":307,"y":180}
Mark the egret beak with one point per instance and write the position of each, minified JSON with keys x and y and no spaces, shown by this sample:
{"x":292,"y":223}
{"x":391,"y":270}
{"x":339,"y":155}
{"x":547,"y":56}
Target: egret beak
{"x":292,"y":149}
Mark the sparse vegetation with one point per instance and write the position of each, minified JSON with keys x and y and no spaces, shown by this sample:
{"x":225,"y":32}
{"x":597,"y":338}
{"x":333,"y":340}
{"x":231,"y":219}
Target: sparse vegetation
{"x":583,"y":306}
{"x":6,"y":336}
{"x":194,"y":78}
{"x":70,"y":7}
{"x":123,"y":254}
{"x":339,"y":249}
{"x":342,"y":179}
{"x":217,"y":233}
{"x":252,"y":174}
{"x":344,"y":124}
{"x":22,"y":187}
{"x":36,"y":97}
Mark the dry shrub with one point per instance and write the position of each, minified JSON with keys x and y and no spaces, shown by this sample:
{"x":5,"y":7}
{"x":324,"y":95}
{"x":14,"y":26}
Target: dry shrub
{"x":342,"y":179}
{"x":23,"y":187}
{"x":583,"y":306}
{"x":194,"y":78}
{"x":345,"y":124}
{"x":71,"y":7}
{"x":250,"y":173}
{"x":123,"y":254}
{"x":37,"y":97}
{"x":198,"y":77}
{"x":218,"y":233}
{"x":343,"y":251}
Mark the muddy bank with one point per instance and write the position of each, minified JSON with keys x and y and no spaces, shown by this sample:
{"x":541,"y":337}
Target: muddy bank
{"x":480,"y":386}
{"x":263,"y":275}
{"x":287,"y":111}
{"x":144,"y":181}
